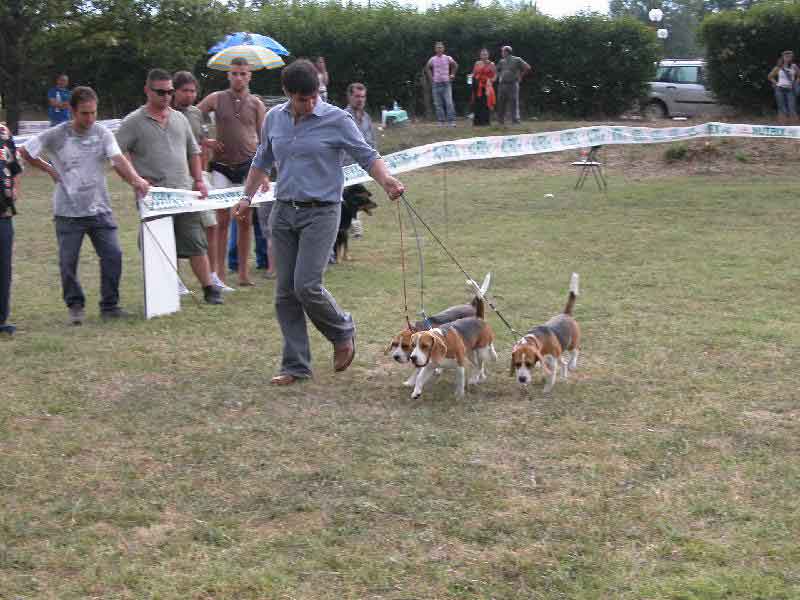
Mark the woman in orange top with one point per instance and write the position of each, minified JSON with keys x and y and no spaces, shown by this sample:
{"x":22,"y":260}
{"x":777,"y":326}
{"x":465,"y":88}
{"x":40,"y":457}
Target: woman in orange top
{"x":483,"y":97}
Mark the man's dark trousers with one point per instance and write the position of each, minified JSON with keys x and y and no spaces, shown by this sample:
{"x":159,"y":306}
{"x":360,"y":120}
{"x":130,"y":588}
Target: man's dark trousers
{"x":102,"y":230}
{"x":6,"y":246}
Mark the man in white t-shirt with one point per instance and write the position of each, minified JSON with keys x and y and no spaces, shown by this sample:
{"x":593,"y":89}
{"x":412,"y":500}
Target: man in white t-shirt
{"x":79,"y":151}
{"x":442,"y":71}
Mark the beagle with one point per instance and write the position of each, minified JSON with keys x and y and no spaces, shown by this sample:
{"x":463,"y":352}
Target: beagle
{"x":549,"y":344}
{"x":400,"y":347}
{"x":453,"y":344}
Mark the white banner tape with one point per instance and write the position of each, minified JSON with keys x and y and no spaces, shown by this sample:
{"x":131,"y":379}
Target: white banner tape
{"x":163,"y":201}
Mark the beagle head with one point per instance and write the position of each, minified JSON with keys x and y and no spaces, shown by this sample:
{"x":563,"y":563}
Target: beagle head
{"x":401,"y":346}
{"x":524,"y":356}
{"x":429,"y":347}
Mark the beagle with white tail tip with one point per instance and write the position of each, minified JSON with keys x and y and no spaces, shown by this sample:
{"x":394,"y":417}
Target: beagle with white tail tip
{"x":452,"y":345}
{"x":549,"y":345}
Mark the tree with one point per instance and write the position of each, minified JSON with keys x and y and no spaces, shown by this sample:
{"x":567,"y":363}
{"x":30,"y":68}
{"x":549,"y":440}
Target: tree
{"x":21,"y":22}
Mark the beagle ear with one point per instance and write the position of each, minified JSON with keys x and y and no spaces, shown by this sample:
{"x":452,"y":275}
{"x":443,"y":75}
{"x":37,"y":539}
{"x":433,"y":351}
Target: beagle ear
{"x":389,"y":347}
{"x":439,"y":350}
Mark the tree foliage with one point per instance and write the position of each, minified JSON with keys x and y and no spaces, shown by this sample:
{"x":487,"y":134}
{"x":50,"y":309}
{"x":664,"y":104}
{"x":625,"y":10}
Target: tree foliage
{"x":584,"y":65}
{"x":743,"y":46}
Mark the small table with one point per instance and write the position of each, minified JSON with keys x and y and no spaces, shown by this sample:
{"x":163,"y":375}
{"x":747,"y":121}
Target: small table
{"x":393,"y":116}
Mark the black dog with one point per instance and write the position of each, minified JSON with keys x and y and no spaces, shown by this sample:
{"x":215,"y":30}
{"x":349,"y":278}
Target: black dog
{"x":354,"y":198}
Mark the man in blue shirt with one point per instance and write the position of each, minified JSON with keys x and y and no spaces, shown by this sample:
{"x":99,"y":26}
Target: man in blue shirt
{"x":58,"y":101}
{"x":305,"y":139}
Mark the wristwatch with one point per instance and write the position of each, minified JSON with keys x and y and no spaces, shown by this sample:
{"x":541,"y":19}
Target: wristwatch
{"x":247,"y":198}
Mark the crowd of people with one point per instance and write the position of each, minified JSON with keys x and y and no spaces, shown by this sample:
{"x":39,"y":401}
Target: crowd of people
{"x":507,"y":74}
{"x":166,"y":143}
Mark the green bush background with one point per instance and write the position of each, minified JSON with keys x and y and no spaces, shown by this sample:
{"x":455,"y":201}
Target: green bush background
{"x":743,"y":46}
{"x":586,"y":65}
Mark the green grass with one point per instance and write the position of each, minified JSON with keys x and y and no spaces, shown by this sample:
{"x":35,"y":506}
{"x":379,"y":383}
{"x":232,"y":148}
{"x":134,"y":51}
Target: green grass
{"x":151,"y":459}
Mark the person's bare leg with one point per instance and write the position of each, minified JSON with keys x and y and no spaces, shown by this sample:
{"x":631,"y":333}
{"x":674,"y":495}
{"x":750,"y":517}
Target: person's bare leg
{"x":243,"y":246}
{"x":211,"y":234}
{"x":270,"y":257}
{"x":201,"y":269}
{"x":223,"y":225}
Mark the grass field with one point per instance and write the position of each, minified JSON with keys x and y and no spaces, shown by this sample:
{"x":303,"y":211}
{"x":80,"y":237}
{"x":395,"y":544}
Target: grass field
{"x":150,"y":459}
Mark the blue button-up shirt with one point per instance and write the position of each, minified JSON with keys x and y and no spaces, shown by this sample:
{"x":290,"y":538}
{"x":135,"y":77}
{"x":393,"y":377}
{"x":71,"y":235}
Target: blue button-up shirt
{"x":308,"y":154}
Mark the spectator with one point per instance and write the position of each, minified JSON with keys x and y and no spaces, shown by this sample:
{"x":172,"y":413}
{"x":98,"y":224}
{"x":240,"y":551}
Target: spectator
{"x":239,"y":115}
{"x":483,"y":98}
{"x":183,"y":100}
{"x":9,"y":179}
{"x":304,"y":138}
{"x":784,"y":78}
{"x":324,"y":78}
{"x":78,"y":151}
{"x":510,"y":71}
{"x":164,"y":151}
{"x":442,"y":70}
{"x":356,"y":106}
{"x":58,"y":101}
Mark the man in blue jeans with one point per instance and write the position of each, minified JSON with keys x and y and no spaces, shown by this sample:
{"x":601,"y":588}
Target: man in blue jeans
{"x":79,"y":151}
{"x":442,"y":70}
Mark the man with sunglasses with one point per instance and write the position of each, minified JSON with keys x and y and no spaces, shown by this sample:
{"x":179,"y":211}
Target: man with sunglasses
{"x":163,"y":150}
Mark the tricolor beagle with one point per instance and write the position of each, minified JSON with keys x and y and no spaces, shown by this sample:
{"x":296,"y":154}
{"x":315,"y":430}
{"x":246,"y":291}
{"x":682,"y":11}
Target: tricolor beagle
{"x":452,"y":345}
{"x":549,"y":344}
{"x":400,"y":347}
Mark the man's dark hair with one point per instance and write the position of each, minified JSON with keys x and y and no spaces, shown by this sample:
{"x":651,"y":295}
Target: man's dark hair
{"x":356,"y":86}
{"x":240,"y":61}
{"x":300,"y":77}
{"x":158,"y":75}
{"x":182,"y":78}
{"x":82,"y":94}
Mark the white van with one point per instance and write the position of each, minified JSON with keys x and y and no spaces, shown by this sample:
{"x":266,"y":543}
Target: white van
{"x":679,"y":90}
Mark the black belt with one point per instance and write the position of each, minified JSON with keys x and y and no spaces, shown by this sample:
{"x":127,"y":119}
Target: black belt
{"x":313,"y":203}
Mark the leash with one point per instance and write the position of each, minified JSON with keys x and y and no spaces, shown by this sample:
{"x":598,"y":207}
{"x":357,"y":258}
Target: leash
{"x":169,"y":261}
{"x":471,"y":281}
{"x":403,"y":264}
{"x":421,"y":258}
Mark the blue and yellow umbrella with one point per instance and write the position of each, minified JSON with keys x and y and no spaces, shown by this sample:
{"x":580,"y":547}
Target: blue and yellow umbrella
{"x":258,"y":57}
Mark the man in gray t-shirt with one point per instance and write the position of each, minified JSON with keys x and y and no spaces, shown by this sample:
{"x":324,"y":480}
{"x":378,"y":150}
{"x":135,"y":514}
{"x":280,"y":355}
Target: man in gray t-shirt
{"x":510,"y":71}
{"x":79,"y":151}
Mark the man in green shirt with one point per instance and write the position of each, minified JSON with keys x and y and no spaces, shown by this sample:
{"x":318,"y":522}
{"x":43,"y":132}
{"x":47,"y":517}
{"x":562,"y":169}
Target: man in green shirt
{"x":164,"y":151}
{"x":510,"y":71}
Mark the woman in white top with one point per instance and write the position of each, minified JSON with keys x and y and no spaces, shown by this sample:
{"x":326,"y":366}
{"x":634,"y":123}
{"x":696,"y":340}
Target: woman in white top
{"x":324,"y":79}
{"x":784,"y":78}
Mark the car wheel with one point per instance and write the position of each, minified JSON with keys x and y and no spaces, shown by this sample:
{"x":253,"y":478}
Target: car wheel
{"x":655,"y":111}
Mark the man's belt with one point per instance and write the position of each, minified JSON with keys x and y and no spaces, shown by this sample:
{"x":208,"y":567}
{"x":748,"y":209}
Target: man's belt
{"x":310,"y":203}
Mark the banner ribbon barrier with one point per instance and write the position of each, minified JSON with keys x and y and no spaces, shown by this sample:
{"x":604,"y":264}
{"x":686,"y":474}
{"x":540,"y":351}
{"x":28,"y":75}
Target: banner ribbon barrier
{"x":163,"y":201}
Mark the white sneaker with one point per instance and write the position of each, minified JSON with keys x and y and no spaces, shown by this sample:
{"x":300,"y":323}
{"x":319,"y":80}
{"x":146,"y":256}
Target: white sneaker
{"x":215,"y":280}
{"x":182,"y":289}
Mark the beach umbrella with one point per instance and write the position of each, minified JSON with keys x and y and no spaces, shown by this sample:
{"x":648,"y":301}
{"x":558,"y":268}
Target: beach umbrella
{"x":244,"y":38}
{"x":257,"y":57}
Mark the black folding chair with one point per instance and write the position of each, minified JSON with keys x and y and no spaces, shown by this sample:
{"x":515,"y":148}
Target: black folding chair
{"x":591,"y":165}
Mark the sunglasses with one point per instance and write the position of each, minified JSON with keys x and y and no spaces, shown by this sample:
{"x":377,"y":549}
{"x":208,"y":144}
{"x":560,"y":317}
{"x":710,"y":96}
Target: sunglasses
{"x":163,"y":93}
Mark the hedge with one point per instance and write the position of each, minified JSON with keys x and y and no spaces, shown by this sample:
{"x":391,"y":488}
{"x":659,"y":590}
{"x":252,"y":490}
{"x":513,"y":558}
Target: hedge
{"x":584,"y":66}
{"x":742,"y":48}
